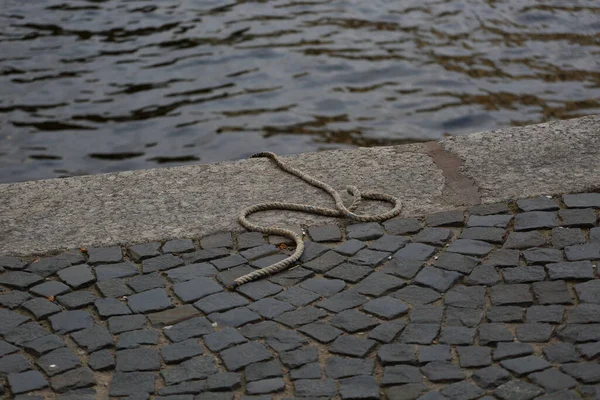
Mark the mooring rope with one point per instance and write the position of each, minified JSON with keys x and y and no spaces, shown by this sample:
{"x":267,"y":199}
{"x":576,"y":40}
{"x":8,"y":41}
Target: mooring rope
{"x":340,"y":211}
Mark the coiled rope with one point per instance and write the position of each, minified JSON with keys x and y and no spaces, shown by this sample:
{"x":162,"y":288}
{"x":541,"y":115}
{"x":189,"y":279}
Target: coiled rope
{"x":340,"y":211}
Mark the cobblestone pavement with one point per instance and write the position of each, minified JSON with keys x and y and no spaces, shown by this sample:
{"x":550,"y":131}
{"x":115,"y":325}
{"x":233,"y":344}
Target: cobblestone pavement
{"x":499,"y":302}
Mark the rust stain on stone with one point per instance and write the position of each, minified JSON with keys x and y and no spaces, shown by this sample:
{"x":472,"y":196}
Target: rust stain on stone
{"x":458,"y":189}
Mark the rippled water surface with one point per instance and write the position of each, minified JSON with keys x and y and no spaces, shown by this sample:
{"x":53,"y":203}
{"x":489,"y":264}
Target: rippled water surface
{"x":109,"y":85}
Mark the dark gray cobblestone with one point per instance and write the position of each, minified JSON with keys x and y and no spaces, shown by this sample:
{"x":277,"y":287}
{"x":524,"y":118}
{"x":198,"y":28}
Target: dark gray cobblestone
{"x":506,"y":307}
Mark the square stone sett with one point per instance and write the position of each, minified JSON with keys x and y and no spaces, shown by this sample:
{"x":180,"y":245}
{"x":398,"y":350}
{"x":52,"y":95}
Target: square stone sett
{"x":525,"y":365}
{"x":265,"y":386}
{"x":489,"y":221}
{"x":555,"y":292}
{"x":416,"y":295}
{"x":588,"y":292}
{"x":144,"y":250}
{"x":114,"y":271}
{"x":441,"y":371}
{"x":406,"y":269}
{"x":270,"y":308}
{"x":524,"y":240}
{"x":308,"y":371}
{"x":196,"y":289}
{"x":462,"y":390}
{"x":586,"y":372}
{"x":111,"y":307}
{"x":223,"y":339}
{"x":104,"y":255}
{"x":456,"y":316}
{"x":113,"y":288}
{"x":567,"y":394}
{"x":324,"y":287}
{"x":434,"y":236}
{"x":313,"y":250}
{"x":542,"y":256}
{"x":427,"y":314}
{"x":13,"y":364}
{"x":24,"y":333}
{"x":146,"y":282}
{"x":161,"y":263}
{"x":371,"y":258}
{"x":582,"y":200}
{"x":19,"y":279}
{"x":571,"y":270}
{"x":341,"y":367}
{"x":470,"y":247}
{"x":535,"y":220}
{"x":11,"y":262}
{"x":483,"y":275}
{"x":457,"y":335}
{"x":26,"y":382}
{"x":400,"y":374}
{"x":315,"y":388}
{"x":511,"y":350}
{"x":149,"y":301}
{"x":386,"y":307}
{"x":297,"y":358}
{"x":549,"y":314}
{"x":349,"y":272}
{"x":74,"y":379}
{"x":238,"y":357}
{"x":204,"y":255}
{"x":511,"y":295}
{"x":227,"y":262}
{"x":419,"y":333}
{"x":285,"y":340}
{"x":579,"y":333}
{"x":490,"y":377}
{"x":259,"y":289}
{"x":350,"y":247}
{"x":190,"y":328}
{"x":178,"y":246}
{"x":588,"y":251}
{"x":389,"y":243}
{"x":359,"y":387}
{"x":387,"y":331}
{"x":260,"y":330}
{"x":220,"y":302}
{"x":492,"y":235}
{"x":321,"y":331}
{"x":173,"y":316}
{"x":531,"y":273}
{"x":101,"y":360}
{"x":438,"y":279}
{"x":134,"y":339}
{"x":446,"y":218}
{"x":494,"y":333}
{"x":77,"y":276}
{"x":352,"y":346}
{"x":534,"y":332}
{"x":13,"y":299}
{"x":235,"y":318}
{"x":325,"y":262}
{"x":291,"y":277}
{"x":250,"y":239}
{"x":94,"y":338}
{"x":58,"y":361}
{"x":518,"y":390}
{"x":466,"y":297}
{"x":126,"y":323}
{"x":378,"y":283}
{"x":195,"y":368}
{"x":541,"y":203}
{"x":397,"y":353}
{"x":353,"y":321}
{"x":562,"y":237}
{"x":327,"y":233}
{"x":7,"y":348}
{"x":126,"y":383}
{"x":76,"y":299}
{"x":400,"y":226}
{"x":10,"y":320}
{"x":595,"y":235}
{"x":456,"y":262}
{"x":342,"y":301}
{"x":552,"y":380}
{"x":589,"y":351}
{"x":503,"y":258}
{"x":415,"y":251}
{"x":223,"y":239}
{"x":365,"y":231}
{"x":300,"y":316}
{"x":224,"y":381}
{"x":585,"y":218}
{"x":263,"y":370}
{"x":583,"y":314}
{"x":297,"y":296}
{"x":48,"y":266}
{"x":440,"y":352}
{"x":71,"y":321}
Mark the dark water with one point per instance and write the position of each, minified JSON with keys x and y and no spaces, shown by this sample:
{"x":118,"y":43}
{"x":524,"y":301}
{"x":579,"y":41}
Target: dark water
{"x":99,"y":86}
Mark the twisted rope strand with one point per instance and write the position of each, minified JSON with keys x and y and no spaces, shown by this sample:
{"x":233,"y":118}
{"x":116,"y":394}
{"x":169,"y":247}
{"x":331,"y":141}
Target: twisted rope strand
{"x":340,"y":211}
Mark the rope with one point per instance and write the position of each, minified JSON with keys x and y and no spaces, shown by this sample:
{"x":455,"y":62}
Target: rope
{"x":340,"y":211}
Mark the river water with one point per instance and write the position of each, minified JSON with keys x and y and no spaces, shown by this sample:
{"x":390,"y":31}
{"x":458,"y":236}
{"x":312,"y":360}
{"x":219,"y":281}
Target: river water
{"x":110,"y":85}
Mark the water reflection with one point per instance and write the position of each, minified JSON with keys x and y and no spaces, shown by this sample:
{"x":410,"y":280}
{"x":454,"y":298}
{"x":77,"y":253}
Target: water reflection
{"x":102,"y":86}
